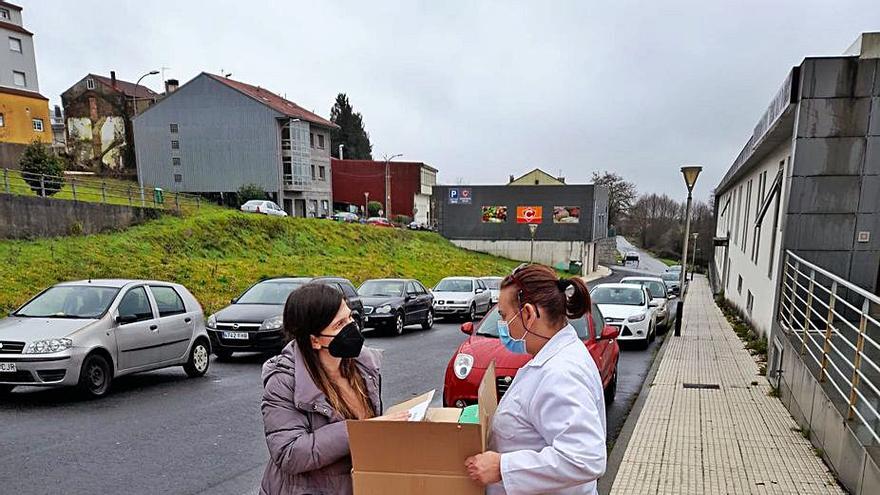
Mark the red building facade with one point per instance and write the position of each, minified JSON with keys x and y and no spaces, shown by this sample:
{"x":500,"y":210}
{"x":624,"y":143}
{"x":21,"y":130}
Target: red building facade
{"x":411,"y":186}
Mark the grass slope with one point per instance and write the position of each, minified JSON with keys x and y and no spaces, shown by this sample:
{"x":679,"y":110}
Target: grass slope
{"x":219,"y":253}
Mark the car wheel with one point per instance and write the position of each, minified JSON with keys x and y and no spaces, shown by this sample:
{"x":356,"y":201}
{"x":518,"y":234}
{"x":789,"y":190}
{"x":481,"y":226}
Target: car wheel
{"x":199,"y":360}
{"x":6,"y":389}
{"x":429,"y":321}
{"x":96,"y":376}
{"x":223,"y":354}
{"x":611,"y":389}
{"x":397,"y":329}
{"x":472,"y":314}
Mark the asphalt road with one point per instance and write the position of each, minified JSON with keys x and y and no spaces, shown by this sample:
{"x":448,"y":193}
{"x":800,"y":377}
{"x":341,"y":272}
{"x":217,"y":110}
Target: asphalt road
{"x":647,"y":262}
{"x":162,"y":432}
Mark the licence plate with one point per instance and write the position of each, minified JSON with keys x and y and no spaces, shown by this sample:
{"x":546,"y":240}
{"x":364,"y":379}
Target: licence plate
{"x":7,"y":368}
{"x":440,"y":306}
{"x":235,"y":335}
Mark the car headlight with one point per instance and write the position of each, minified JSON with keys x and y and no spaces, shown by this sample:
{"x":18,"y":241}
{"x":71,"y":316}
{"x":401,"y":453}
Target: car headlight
{"x":273,"y":323}
{"x":212,"y":321}
{"x":638,"y":317}
{"x":463,"y":365}
{"x":384,"y":310}
{"x":49,"y":346}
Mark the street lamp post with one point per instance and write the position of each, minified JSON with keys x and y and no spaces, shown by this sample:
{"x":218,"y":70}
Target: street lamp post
{"x":366,"y":204}
{"x":694,"y":255}
{"x":690,"y":174}
{"x":388,"y":183}
{"x":134,"y":109}
{"x":341,"y":145}
{"x":533,"y":227}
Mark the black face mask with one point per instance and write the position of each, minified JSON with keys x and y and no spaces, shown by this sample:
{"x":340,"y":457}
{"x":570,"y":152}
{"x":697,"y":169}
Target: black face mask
{"x":347,"y":343}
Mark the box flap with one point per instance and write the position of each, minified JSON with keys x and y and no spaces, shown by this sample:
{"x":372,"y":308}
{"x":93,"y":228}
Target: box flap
{"x":421,"y":484}
{"x":487,"y":397}
{"x":413,"y":447}
{"x":443,"y":415}
{"x":417,"y":403}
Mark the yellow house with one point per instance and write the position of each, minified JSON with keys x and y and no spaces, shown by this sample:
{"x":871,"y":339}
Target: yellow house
{"x":24,"y":112}
{"x":536,"y":177}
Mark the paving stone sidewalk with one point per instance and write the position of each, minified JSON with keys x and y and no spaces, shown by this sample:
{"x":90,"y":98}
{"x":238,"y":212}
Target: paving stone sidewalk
{"x":733,"y":440}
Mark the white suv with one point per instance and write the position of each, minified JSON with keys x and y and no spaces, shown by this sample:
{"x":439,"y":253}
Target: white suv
{"x":463,"y":297}
{"x":628,"y":307}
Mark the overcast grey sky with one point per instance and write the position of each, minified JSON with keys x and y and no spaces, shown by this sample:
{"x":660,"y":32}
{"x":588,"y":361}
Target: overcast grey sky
{"x":481,"y":90}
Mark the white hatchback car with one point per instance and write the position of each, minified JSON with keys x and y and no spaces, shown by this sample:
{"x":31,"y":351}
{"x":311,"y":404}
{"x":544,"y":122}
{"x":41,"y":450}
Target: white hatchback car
{"x":464,"y":297}
{"x":264,"y":207}
{"x":659,"y":294}
{"x":629,"y":308}
{"x":88,"y":333}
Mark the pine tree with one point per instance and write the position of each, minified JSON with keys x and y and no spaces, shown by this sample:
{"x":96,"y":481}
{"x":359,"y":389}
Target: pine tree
{"x":351,"y":132}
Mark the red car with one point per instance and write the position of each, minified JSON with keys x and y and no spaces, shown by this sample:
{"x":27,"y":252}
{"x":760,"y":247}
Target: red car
{"x":379,"y":222}
{"x":466,"y":368}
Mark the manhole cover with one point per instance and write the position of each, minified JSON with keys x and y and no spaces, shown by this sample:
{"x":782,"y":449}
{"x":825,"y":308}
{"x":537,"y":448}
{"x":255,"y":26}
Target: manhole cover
{"x":710,"y":386}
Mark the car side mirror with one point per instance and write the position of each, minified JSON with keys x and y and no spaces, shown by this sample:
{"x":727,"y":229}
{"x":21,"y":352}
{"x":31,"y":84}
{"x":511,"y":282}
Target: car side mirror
{"x":653,"y":303}
{"x":609,"y":333}
{"x":479,"y":291}
{"x":233,"y":300}
{"x":409,"y":297}
{"x":670,"y":296}
{"x":125,"y":319}
{"x":467,"y":328}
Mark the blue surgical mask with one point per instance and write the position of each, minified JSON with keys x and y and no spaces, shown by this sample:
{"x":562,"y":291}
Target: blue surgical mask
{"x":516,"y":346}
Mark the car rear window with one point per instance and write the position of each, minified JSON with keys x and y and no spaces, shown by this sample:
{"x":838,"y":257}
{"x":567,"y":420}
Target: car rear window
{"x":168,"y":301}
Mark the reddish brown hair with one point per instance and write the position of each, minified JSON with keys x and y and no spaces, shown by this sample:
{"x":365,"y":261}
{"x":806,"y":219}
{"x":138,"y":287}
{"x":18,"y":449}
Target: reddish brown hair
{"x":557,"y":298}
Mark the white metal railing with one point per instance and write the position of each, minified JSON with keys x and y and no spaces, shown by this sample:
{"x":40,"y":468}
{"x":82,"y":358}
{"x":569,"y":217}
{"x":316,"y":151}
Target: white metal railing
{"x":838,"y":326}
{"x":93,"y":190}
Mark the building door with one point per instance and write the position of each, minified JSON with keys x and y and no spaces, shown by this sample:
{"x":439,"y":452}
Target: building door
{"x":313,"y":208}
{"x":288,"y":206}
{"x":299,"y":208}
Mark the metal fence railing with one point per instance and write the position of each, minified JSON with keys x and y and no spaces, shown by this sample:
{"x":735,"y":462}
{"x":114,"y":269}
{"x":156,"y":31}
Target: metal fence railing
{"x":837,"y":325}
{"x":95,"y":190}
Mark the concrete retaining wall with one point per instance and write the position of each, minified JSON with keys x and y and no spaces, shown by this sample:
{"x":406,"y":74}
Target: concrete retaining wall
{"x":25,"y":217}
{"x":606,"y":251}
{"x":842,"y":443}
{"x":546,"y":252}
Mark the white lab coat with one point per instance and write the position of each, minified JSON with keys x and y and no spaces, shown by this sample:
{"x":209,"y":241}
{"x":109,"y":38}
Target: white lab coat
{"x":550,"y":425}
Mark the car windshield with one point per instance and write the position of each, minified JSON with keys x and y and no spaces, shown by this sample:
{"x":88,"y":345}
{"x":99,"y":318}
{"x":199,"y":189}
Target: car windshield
{"x":670,"y":277}
{"x":489,"y":325}
{"x":492,"y":283}
{"x":453,"y":285}
{"x":381,"y":288}
{"x":70,"y":301}
{"x":674,"y":268}
{"x":269,"y":292}
{"x":657,"y":289}
{"x":627,"y":296}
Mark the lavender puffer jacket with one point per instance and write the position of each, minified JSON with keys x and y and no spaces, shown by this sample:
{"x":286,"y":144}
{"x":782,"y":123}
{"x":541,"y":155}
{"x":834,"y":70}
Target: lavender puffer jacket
{"x":307,"y":438}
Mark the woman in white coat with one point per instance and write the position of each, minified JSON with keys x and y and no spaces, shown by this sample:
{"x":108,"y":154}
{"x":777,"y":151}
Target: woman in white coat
{"x":548,"y":433}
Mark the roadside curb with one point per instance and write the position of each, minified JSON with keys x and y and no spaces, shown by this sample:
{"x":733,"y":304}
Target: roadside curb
{"x":615,"y":457}
{"x":601,"y":272}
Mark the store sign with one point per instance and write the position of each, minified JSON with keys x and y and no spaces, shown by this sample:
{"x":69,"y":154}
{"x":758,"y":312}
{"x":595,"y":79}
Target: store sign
{"x":529,"y":214}
{"x":460,"y":196}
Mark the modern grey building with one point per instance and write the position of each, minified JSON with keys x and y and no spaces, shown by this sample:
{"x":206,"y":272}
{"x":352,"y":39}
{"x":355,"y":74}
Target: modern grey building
{"x":495,"y":219}
{"x":808,"y":181}
{"x":215,"y":135}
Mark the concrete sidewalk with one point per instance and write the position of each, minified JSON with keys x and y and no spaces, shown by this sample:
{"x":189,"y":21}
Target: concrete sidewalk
{"x":735,"y":439}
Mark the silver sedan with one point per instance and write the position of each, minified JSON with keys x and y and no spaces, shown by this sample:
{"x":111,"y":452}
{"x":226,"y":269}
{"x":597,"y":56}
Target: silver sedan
{"x":87,"y":333}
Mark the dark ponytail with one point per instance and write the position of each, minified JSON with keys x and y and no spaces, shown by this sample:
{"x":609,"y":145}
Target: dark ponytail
{"x":557,"y":298}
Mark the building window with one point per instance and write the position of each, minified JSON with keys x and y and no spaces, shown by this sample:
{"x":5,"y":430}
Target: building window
{"x":19,"y":78}
{"x":4,"y":14}
{"x":90,"y":83}
{"x":313,"y":172}
{"x":312,"y":139}
{"x":15,"y":44}
{"x":175,"y":161}
{"x":175,"y":145}
{"x":325,"y":207}
{"x":174,"y":128}
{"x":178,"y":178}
{"x":739,"y":284}
{"x":322,"y":172}
{"x":2,"y":121}
{"x":321,"y":141}
{"x":750,"y":302}
{"x":38,"y":125}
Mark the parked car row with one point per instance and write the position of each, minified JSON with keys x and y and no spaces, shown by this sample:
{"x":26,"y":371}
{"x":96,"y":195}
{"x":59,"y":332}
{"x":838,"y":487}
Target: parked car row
{"x":637,"y":306}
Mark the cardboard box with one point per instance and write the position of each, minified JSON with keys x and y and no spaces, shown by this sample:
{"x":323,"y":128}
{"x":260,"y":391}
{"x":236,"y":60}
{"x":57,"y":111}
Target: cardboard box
{"x":421,"y":457}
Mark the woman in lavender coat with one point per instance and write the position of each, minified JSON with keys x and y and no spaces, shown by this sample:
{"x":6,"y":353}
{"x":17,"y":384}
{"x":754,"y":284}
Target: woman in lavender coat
{"x":322,"y":378}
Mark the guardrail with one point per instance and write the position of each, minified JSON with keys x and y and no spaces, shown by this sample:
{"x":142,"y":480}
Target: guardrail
{"x":838,"y":326}
{"x":94,"y":190}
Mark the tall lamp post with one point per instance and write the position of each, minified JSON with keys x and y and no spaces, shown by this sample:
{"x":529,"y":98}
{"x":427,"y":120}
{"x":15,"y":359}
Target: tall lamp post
{"x":388,"y":183}
{"x":694,"y":255}
{"x":134,"y":109}
{"x":366,"y":205}
{"x":341,"y":145}
{"x":690,"y":173}
{"x":533,"y":227}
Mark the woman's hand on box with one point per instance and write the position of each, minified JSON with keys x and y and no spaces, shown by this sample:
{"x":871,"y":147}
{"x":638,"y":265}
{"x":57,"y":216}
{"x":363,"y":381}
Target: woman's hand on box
{"x":398,"y":416}
{"x":484,"y":468}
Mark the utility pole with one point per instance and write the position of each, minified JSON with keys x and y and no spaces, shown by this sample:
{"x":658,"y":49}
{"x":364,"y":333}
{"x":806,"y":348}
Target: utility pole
{"x":388,"y":183}
{"x":533,"y":227}
{"x":340,"y":151}
{"x":366,"y":205}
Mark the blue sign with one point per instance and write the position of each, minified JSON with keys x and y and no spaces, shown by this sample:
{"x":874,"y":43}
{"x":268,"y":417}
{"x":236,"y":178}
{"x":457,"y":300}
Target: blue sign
{"x":460,"y":196}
